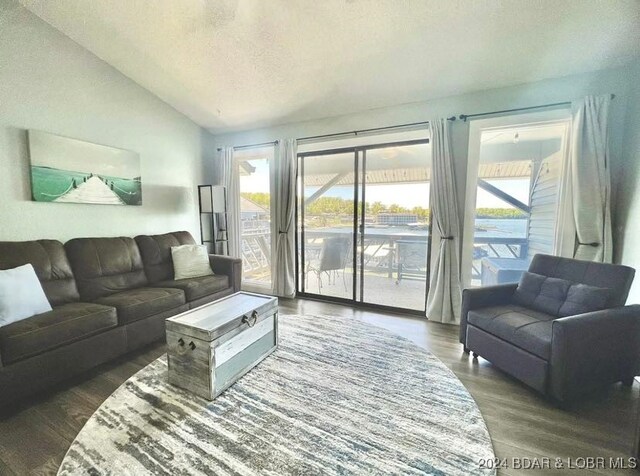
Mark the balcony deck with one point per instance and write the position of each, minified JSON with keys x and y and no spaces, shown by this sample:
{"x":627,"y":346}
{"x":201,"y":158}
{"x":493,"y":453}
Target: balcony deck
{"x":381,"y":269}
{"x":378,"y":289}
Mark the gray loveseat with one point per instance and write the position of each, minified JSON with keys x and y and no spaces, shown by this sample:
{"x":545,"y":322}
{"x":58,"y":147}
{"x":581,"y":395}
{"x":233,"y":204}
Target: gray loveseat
{"x":538,"y":330}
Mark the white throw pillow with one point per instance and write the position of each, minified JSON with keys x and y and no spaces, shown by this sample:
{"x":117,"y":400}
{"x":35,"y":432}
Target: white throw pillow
{"x":190,"y":261}
{"x":21,"y":295}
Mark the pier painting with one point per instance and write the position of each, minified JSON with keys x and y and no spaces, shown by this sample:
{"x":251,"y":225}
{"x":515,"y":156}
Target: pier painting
{"x":67,"y":170}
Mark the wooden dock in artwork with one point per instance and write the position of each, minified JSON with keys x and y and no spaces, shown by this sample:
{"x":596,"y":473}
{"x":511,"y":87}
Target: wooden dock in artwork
{"x":94,"y":190}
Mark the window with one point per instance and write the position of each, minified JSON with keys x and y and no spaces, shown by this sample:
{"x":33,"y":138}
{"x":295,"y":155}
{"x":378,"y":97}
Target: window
{"x":255,"y":215}
{"x":514,"y":197}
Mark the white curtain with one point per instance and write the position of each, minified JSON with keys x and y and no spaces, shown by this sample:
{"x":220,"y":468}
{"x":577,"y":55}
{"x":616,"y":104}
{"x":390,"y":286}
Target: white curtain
{"x":230,"y":178}
{"x":445,"y":290}
{"x":283,"y":186}
{"x":591,"y":187}
{"x":565,"y":238}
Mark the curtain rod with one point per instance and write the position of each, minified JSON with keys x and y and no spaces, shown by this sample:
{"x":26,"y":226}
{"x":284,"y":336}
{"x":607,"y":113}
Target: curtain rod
{"x":251,"y":146}
{"x":363,"y":131}
{"x":464,"y":117}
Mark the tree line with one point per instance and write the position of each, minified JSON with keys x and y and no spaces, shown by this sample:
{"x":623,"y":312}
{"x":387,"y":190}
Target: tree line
{"x":342,"y":206}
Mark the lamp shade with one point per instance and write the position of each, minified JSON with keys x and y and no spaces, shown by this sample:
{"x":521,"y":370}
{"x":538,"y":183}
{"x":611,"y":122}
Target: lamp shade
{"x":218,"y":194}
{"x":206,"y":195}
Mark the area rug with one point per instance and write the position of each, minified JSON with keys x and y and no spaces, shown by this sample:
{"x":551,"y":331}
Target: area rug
{"x":338,"y":397}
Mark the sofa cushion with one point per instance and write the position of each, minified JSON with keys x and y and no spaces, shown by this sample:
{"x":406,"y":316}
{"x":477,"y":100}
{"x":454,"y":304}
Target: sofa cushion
{"x":196,"y":288}
{"x":136,"y":304}
{"x":50,"y":262}
{"x":62,"y":325}
{"x":156,"y":253}
{"x":103,"y":266}
{"x":525,"y":328}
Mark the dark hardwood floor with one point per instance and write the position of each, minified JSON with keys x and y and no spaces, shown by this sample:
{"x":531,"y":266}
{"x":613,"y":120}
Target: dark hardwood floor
{"x":35,"y":436}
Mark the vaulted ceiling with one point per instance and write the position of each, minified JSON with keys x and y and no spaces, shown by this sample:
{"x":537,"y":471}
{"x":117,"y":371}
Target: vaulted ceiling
{"x":238,"y":64}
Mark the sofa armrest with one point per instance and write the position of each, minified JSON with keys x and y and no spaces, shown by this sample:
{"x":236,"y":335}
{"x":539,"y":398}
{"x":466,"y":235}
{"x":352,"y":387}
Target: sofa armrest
{"x":231,"y":267}
{"x":594,"y":349}
{"x":476,"y":298}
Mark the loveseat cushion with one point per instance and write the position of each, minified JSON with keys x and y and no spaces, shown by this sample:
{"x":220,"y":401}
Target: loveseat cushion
{"x":156,"y":253}
{"x":104,"y":266}
{"x":62,"y":325}
{"x":136,"y":304}
{"x":559,"y":297}
{"x":196,"y":288}
{"x":525,"y":328}
{"x":50,"y":263}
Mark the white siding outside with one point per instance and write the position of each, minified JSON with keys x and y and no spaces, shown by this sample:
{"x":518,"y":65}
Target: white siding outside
{"x":544,"y":199}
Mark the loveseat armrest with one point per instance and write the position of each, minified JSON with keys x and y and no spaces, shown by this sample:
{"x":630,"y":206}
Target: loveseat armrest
{"x":228,"y":266}
{"x":594,"y":349}
{"x":476,"y":298}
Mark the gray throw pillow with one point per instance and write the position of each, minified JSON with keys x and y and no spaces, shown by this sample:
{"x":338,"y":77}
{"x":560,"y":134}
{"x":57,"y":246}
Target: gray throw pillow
{"x":559,"y":297}
{"x":541,"y":293}
{"x":553,"y":294}
{"x":583,"y":298}
{"x":528,"y":288}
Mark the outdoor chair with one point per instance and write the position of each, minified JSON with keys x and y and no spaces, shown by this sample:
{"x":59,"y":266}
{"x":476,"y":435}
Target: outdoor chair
{"x":332,"y":258}
{"x":411,"y":260}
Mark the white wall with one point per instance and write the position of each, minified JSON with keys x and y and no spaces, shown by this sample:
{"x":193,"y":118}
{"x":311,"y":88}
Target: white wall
{"x":628,"y":206}
{"x":49,"y":83}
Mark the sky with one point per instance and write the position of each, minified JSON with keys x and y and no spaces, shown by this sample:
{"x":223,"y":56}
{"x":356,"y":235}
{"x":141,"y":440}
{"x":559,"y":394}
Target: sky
{"x":406,"y":195}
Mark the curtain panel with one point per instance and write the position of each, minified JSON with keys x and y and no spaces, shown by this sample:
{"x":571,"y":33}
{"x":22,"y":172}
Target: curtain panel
{"x":230,"y":178}
{"x":591,"y":182}
{"x":283,"y":186}
{"x":445,"y":289}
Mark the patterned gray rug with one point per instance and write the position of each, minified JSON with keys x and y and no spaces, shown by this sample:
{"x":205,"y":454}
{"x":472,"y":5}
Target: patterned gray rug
{"x":338,"y":397}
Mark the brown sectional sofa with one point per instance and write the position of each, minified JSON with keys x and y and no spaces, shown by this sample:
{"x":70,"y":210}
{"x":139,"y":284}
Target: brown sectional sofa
{"x":109,"y":296}
{"x":158,"y":267}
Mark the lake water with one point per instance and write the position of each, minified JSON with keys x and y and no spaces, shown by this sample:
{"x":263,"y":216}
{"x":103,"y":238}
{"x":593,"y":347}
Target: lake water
{"x":485,"y":227}
{"x":499,"y":227}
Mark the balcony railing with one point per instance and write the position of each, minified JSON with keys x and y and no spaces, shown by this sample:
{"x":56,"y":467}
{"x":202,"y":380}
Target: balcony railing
{"x":256,"y":254}
{"x":382,"y":252}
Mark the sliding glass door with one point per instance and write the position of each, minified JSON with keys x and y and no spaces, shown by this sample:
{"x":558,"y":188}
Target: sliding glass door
{"x":327,"y":224}
{"x":363,"y":224}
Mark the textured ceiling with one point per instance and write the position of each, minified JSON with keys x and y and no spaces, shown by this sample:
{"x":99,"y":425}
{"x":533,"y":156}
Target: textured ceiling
{"x":237,"y":64}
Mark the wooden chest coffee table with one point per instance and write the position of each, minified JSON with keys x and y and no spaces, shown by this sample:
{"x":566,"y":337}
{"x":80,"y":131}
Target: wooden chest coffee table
{"x":212,"y":346}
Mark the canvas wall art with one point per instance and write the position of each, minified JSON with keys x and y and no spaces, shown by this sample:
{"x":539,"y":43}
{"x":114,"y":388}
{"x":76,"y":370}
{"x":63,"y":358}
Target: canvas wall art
{"x":65,"y":170}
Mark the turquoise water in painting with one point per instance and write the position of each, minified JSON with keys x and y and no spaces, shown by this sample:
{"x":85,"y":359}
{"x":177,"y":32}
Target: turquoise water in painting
{"x":48,"y":183}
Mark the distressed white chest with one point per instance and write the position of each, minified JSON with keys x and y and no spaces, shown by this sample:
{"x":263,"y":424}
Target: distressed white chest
{"x":212,"y":346}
